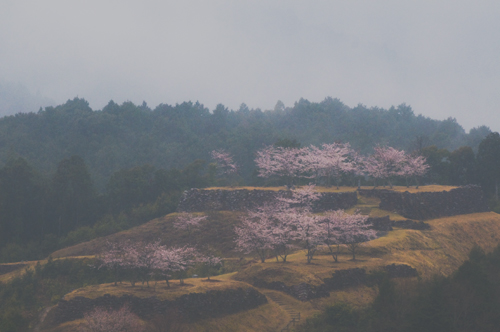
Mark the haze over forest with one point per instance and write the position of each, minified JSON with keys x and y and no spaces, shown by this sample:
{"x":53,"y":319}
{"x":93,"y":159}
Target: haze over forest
{"x":112,"y":111}
{"x":441,"y":58}
{"x":128,"y":135}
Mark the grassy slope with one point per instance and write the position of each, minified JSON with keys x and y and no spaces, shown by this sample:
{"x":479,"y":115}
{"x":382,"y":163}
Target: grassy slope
{"x":438,"y":250}
{"x":216,"y":232}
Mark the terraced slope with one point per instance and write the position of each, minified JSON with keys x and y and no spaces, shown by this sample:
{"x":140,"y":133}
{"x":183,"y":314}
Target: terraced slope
{"x":440,"y":249}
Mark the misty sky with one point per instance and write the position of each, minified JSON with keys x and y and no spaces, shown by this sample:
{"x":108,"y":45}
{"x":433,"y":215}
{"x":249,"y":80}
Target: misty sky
{"x":440,"y":57}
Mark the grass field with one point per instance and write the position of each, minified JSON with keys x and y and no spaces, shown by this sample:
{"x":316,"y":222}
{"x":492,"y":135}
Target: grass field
{"x":439,"y":250}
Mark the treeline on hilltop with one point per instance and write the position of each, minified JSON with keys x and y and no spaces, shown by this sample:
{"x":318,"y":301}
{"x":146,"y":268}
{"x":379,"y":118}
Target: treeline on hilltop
{"x":124,"y":136}
{"x":126,"y":165}
{"x":40,"y":213}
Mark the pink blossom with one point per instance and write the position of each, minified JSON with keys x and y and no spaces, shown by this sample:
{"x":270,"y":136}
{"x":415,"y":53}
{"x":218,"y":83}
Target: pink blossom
{"x":413,"y":166}
{"x":385,"y":163}
{"x":287,"y":163}
{"x":224,"y":161}
{"x":254,"y":234}
{"x":188,"y":221}
{"x":103,"y":320}
{"x":211,"y":262}
{"x":171,"y":260}
{"x":280,"y":226}
{"x":339,"y":227}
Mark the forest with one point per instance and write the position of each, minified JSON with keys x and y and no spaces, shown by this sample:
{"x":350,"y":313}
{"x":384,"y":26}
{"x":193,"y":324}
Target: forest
{"x":70,"y":174}
{"x":125,"y":136}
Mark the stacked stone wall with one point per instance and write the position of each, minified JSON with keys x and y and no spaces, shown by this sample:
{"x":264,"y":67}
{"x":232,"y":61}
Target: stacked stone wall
{"x":430,"y":205}
{"x":199,"y":200}
{"x":341,"y":279}
{"x":193,"y":306}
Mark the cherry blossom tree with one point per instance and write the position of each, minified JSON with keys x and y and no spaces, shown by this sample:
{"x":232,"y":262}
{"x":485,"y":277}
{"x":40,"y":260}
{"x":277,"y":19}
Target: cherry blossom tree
{"x":211,"y":262}
{"x":413,"y":166}
{"x":358,"y":163}
{"x":103,"y":320}
{"x":336,"y":161}
{"x":225,"y":167}
{"x":338,"y":227}
{"x":315,"y":163}
{"x":130,"y":260}
{"x":385,"y":163}
{"x":174,"y":260}
{"x":296,"y":221}
{"x":309,"y":233}
{"x":224,"y":161}
{"x":286,"y":163}
{"x":331,"y":231}
{"x":283,"y":234}
{"x":188,"y":221}
{"x":353,"y":230}
{"x":112,"y":258}
{"x":302,"y":197}
{"x":147,"y":260}
{"x":280,"y":226}
{"x":254,"y":234}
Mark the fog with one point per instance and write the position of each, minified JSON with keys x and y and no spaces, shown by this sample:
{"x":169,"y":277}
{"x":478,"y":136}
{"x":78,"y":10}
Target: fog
{"x":440,"y":57}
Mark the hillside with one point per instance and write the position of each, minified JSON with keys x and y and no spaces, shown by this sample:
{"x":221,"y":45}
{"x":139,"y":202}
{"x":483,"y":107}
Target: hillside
{"x":438,"y":250}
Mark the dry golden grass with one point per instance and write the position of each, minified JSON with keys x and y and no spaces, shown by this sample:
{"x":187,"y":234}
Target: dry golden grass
{"x":30,"y":265}
{"x":6,"y":277}
{"x":421,"y":189}
{"x":247,"y":188}
{"x":161,"y":228}
{"x":217,"y":232}
{"x":440,"y":250}
{"x":161,"y":291}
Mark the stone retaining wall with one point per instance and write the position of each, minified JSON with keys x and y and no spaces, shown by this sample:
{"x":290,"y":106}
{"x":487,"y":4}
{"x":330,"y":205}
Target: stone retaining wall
{"x":430,"y":205}
{"x":199,"y":200}
{"x":341,"y":279}
{"x":193,"y":306}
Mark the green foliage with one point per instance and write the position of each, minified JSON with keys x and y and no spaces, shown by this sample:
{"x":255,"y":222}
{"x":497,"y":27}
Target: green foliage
{"x":342,"y":316}
{"x":24,"y":296}
{"x":287,"y":143}
{"x":125,"y":136}
{"x":439,"y":164}
{"x":463,"y":167}
{"x":488,"y":157}
{"x":73,"y":198}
